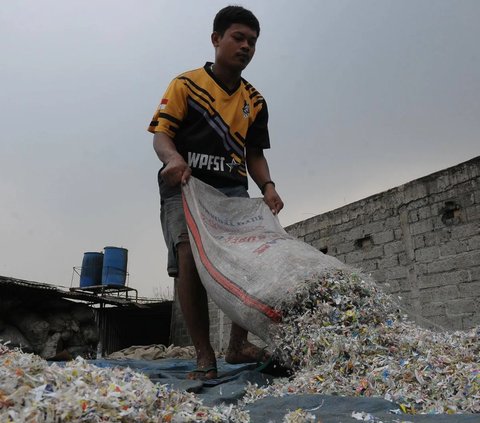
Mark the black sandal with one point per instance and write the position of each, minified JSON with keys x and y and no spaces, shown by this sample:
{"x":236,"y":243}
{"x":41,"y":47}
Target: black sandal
{"x":271,"y":367}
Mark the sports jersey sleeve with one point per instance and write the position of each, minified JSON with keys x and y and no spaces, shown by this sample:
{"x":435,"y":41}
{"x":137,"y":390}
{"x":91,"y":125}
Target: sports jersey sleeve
{"x":171,"y":111}
{"x":257,"y":135}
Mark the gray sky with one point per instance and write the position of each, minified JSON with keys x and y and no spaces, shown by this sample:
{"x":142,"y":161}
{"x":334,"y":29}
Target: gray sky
{"x":363,"y":96}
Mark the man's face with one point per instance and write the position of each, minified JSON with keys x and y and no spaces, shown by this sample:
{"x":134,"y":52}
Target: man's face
{"x":236,"y":48}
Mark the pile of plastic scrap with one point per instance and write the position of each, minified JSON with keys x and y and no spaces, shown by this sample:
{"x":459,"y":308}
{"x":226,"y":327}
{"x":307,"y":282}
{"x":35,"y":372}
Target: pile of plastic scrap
{"x":344,"y":336}
{"x":299,"y":416}
{"x":31,"y":390}
{"x":339,"y":333}
{"x":152,"y":352}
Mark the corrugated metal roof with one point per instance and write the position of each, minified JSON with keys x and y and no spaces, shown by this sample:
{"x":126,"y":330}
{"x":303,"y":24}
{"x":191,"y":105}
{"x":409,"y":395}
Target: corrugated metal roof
{"x":4,"y":280}
{"x":13,"y":284}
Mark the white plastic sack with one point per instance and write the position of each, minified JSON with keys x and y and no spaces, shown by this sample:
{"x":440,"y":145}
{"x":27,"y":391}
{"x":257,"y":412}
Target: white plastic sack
{"x":247,"y":262}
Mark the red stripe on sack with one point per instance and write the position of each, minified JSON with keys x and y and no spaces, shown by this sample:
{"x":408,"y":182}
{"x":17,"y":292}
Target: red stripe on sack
{"x":221,"y":279}
{"x":164,"y":101}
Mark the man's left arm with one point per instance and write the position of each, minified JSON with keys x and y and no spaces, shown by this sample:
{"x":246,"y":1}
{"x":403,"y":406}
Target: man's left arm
{"x":258,"y":169}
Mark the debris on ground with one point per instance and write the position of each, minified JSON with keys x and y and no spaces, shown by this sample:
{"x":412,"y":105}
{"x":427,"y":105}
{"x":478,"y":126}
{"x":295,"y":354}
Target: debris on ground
{"x":344,"y":336}
{"x":31,"y":390}
{"x":152,"y":352}
{"x":340,"y":334}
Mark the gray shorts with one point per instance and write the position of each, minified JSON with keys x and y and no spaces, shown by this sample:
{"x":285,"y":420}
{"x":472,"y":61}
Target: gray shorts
{"x":174,"y":225}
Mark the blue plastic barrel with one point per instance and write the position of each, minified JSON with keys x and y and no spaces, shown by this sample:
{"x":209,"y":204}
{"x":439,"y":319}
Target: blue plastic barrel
{"x":114,"y":270}
{"x":91,"y":273}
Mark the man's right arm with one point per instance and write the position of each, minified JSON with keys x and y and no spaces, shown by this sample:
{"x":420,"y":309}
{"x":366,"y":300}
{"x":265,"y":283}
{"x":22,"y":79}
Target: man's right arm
{"x":176,"y":170}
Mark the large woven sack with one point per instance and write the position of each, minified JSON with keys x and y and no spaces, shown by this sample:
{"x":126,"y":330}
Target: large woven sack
{"x":247,"y":262}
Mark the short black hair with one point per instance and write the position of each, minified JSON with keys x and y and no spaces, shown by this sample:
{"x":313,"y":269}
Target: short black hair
{"x":230,"y":15}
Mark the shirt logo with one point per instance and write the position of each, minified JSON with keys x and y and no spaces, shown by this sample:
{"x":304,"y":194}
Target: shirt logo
{"x":206,"y":161}
{"x":163,"y":104}
{"x":246,"y":109}
{"x":232,"y":165}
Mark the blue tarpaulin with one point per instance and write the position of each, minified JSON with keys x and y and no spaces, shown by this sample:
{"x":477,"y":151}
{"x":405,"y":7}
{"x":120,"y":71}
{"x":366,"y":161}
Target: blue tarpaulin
{"x":229,"y":388}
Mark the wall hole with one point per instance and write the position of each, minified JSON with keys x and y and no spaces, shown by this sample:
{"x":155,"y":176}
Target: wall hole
{"x":324,"y":250}
{"x":451,"y":210}
{"x":365,"y":243}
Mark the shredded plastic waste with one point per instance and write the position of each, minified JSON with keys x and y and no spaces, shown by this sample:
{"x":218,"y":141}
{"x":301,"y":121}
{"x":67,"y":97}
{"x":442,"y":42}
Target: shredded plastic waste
{"x":299,"y":416}
{"x":344,"y":336}
{"x":340,"y":334}
{"x":31,"y":390}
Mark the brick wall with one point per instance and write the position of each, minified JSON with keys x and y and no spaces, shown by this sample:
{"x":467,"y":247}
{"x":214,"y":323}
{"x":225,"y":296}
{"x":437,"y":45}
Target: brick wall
{"x":420,"y":241}
{"x":219,"y":327}
{"x":178,"y":330}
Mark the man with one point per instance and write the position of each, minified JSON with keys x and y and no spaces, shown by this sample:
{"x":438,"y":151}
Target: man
{"x":212,"y":124}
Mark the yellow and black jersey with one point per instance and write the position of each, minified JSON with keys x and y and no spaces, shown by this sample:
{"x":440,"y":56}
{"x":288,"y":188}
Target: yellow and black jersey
{"x":211,"y":126}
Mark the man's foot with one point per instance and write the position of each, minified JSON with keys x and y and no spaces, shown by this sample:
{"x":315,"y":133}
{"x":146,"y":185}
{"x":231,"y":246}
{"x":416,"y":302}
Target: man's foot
{"x":203,"y":374}
{"x":206,"y":369}
{"x":245,"y":352}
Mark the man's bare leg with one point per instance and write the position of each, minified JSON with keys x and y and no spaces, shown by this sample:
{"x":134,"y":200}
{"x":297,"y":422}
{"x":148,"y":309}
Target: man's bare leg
{"x":194,"y":303}
{"x":240,"y":350}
